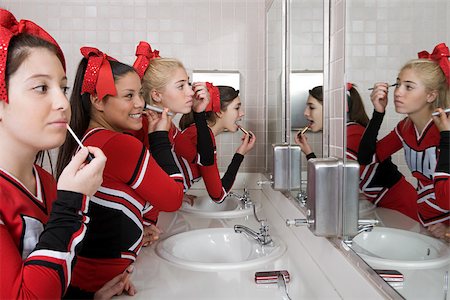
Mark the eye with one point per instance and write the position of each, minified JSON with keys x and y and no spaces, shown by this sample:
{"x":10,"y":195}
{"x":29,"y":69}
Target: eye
{"x":129,"y":95}
{"x":41,"y":89}
{"x":409,"y":87}
{"x":65,"y":90}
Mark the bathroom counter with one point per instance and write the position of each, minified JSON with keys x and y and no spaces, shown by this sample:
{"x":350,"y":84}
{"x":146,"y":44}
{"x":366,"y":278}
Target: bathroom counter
{"x":318,"y":269}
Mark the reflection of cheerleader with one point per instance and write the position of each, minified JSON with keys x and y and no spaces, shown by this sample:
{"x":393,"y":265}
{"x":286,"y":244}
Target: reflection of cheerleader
{"x":422,"y":86}
{"x":381,"y":183}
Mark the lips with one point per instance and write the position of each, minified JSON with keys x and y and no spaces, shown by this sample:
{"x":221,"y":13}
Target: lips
{"x":135,"y":116}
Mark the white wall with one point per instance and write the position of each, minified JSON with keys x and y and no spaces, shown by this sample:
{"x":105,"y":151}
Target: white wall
{"x":203,"y":34}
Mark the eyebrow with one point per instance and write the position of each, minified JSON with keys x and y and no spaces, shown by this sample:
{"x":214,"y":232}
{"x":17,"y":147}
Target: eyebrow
{"x":44,"y":75}
{"x":182,"y":80}
{"x":407,"y":81}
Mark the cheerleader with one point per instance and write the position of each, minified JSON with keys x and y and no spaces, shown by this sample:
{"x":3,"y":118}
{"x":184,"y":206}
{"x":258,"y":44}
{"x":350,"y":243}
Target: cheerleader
{"x":106,"y":103}
{"x":42,"y":223}
{"x":421,"y":92}
{"x":222,"y":115}
{"x":381,"y":183}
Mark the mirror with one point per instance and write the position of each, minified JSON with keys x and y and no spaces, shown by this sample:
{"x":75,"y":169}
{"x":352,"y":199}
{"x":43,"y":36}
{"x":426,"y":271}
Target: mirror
{"x":380,"y":37}
{"x":306,"y":37}
{"x":275,"y":77}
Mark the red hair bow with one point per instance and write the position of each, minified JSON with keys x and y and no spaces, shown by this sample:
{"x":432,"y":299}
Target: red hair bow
{"x":214,"y":101}
{"x":440,"y":55}
{"x":98,"y":77}
{"x":144,"y":54}
{"x":10,"y":27}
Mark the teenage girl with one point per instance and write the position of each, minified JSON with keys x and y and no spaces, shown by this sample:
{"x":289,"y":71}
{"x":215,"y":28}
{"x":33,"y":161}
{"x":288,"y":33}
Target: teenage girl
{"x":221,"y":116}
{"x":165,"y":84}
{"x":42,"y":223}
{"x":106,"y":103}
{"x":381,"y":183}
{"x":422,"y":88}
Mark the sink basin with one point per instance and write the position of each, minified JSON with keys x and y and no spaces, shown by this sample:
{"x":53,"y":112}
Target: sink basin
{"x":395,"y":248}
{"x":216,"y":249}
{"x":204,"y":207}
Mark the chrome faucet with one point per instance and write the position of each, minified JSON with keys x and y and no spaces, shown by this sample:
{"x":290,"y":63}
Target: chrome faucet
{"x":244,"y":198}
{"x":262,"y":237}
{"x":366,"y":225}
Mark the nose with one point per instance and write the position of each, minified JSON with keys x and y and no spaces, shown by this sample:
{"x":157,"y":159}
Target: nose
{"x":241,"y":112}
{"x":60,"y":101}
{"x":139,"y":101}
{"x":306,"y":112}
{"x":190,"y":91}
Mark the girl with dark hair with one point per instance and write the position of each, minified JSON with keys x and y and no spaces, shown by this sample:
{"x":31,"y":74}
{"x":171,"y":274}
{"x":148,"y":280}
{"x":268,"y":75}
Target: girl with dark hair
{"x":422,"y":93}
{"x":381,"y":183}
{"x":106,"y":103}
{"x":42,"y":223}
{"x":221,"y":116}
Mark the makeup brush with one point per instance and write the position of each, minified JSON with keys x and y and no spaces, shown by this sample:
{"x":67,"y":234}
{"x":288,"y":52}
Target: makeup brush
{"x":157,"y":109}
{"x":436,"y":113}
{"x":391,"y":85}
{"x":245,"y":131}
{"x":90,"y":156}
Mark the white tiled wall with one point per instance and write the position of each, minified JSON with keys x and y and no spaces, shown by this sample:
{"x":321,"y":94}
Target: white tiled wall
{"x":381,"y":36}
{"x":203,"y":34}
{"x":336,"y":80}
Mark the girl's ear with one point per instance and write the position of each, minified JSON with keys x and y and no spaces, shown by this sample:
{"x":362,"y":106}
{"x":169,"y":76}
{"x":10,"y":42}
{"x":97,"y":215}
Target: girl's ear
{"x":432,"y":96}
{"x":156,"y":96}
{"x":97,"y":103}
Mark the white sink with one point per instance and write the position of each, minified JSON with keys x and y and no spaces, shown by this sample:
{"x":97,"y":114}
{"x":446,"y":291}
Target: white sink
{"x":395,"y":248}
{"x":217,"y":249}
{"x":204,"y":207}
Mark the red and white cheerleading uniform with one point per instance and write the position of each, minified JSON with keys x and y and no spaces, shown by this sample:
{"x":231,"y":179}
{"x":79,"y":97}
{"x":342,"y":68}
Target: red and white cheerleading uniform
{"x":39,"y":237}
{"x":427,"y":155}
{"x":134,"y":182}
{"x":380,"y":182}
{"x":193,"y":170}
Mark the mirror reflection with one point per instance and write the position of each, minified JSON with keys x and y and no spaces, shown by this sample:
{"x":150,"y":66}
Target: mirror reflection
{"x":306,"y":65}
{"x":405,"y":191}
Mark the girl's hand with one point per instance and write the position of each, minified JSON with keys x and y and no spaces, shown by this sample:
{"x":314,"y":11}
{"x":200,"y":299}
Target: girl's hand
{"x":440,"y":230}
{"x":158,"y":122}
{"x":442,"y":121}
{"x":190,"y":199}
{"x":117,"y":286}
{"x":151,"y":234}
{"x":81,"y":177}
{"x":247,"y":143}
{"x":201,"y":96}
{"x":378,"y":96}
{"x":302,"y":141}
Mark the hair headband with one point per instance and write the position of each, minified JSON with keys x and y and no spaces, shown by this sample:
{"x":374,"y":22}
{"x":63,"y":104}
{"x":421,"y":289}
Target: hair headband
{"x":144,"y":54}
{"x":98,"y":77}
{"x":214,"y":102}
{"x":440,"y":55}
{"x":10,"y":27}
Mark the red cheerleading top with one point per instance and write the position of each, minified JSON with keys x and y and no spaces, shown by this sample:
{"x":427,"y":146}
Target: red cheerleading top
{"x":38,"y":242}
{"x":135,"y":183}
{"x":427,"y":155}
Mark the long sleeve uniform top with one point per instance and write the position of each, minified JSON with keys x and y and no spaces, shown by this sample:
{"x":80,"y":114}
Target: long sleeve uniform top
{"x":192,"y":170}
{"x":427,"y":155}
{"x":134,"y":181}
{"x":40,"y":236}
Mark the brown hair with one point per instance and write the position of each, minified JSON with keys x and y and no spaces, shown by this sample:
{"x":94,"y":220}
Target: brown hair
{"x":356,"y":111}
